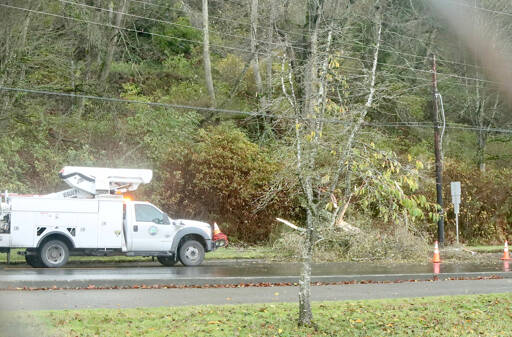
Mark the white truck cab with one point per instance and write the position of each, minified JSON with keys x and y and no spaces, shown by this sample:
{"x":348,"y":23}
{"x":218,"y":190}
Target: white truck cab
{"x":92,"y":218}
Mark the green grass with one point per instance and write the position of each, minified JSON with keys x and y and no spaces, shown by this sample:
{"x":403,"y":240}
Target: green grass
{"x":229,"y":252}
{"x":475,"y":315}
{"x":486,"y":249}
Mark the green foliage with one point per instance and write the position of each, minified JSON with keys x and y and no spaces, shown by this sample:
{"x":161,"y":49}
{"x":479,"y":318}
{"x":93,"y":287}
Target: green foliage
{"x":43,"y":133}
{"x":183,"y":37}
{"x":486,"y":204}
{"x":181,"y":65}
{"x":385,"y":187}
{"x":221,"y":178}
{"x":163,"y":133}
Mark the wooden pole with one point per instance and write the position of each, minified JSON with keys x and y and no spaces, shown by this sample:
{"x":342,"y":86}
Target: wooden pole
{"x":437,"y":151}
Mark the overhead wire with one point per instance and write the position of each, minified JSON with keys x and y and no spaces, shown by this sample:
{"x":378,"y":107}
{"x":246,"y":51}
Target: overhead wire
{"x":235,"y":48}
{"x":253,"y":113}
{"x":210,"y":16}
{"x":483,"y":9}
{"x":257,"y":40}
{"x":123,"y":28}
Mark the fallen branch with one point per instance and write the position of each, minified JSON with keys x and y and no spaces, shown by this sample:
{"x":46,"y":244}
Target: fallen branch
{"x":289,"y":224}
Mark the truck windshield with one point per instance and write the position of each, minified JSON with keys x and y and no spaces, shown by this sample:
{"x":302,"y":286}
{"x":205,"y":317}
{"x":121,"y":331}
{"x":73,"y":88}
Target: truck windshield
{"x":148,"y":213}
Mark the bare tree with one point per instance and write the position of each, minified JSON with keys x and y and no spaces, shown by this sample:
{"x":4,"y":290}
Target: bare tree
{"x":206,"y":55}
{"x":270,"y":41}
{"x":113,"y":39}
{"x":254,"y":36}
{"x":308,"y":85}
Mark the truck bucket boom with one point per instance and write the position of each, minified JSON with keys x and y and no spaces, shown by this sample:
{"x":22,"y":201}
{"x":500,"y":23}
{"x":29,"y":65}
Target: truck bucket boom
{"x":97,"y":180}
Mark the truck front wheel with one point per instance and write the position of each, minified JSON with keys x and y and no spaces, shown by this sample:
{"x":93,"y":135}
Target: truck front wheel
{"x":167,"y":261}
{"x":54,"y":254}
{"x":191,"y":253}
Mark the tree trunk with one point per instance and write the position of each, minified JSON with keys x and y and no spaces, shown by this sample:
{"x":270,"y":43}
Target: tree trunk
{"x":310,"y":95}
{"x":270,"y":40}
{"x":206,"y":55}
{"x":483,"y":131}
{"x":254,"y":34}
{"x":256,"y":65}
{"x":112,"y":43}
{"x":482,"y":136}
{"x":305,"y":312}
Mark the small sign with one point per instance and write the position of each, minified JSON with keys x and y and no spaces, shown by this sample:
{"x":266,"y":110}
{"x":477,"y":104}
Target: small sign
{"x":455,"y":190}
{"x":153,"y":230}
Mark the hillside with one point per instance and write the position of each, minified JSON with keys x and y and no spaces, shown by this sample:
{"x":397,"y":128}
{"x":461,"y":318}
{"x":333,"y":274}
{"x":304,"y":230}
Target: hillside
{"x":316,"y":117}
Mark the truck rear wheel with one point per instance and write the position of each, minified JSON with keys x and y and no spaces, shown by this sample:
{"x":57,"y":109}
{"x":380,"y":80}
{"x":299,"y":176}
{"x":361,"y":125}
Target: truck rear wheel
{"x":167,"y":261}
{"x":54,"y":254}
{"x":34,"y":261}
{"x":191,"y":253}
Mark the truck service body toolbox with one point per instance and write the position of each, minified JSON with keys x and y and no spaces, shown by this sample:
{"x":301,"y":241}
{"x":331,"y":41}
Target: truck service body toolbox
{"x":93,"y":218}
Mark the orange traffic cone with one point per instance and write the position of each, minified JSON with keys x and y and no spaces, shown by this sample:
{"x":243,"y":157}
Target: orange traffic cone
{"x":220,"y":239}
{"x":437,"y":268}
{"x":506,"y":254}
{"x":216,"y":229}
{"x":437,"y":257}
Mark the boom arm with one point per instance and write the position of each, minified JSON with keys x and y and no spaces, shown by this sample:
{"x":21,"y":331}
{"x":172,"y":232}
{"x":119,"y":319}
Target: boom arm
{"x":93,"y":181}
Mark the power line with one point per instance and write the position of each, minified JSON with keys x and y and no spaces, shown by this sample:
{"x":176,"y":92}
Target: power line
{"x":123,"y":28}
{"x":211,"y":16}
{"x":156,"y":20}
{"x":261,"y":41}
{"x":188,"y":26}
{"x":238,"y":49}
{"x":483,"y":9}
{"x":252,"y":113}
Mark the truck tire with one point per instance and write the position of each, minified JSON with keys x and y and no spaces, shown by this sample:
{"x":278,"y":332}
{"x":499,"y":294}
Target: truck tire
{"x":34,"y":261}
{"x":191,"y":253}
{"x":54,"y":254}
{"x":167,"y":261}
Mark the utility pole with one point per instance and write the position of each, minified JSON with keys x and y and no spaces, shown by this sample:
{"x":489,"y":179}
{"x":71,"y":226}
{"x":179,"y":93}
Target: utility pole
{"x":437,"y":150}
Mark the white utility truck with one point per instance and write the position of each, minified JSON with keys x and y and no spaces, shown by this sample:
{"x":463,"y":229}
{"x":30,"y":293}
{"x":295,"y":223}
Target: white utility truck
{"x":92,"y":218}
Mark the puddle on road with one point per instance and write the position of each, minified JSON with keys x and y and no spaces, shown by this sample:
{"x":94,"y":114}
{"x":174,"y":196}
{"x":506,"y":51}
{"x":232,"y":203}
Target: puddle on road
{"x":249,"y":269}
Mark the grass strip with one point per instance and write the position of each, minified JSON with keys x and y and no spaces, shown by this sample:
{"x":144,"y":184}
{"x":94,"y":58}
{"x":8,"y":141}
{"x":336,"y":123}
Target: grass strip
{"x":486,"y":249}
{"x":473,"y":315}
{"x":230,"y":252}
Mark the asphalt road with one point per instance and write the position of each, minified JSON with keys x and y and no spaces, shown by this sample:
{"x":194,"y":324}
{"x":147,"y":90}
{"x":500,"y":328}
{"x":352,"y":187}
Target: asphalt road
{"x":131,"y":298}
{"x":231,"y":272}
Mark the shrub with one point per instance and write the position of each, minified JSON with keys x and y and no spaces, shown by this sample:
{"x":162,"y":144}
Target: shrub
{"x":221,"y":178}
{"x":371,"y":244}
{"x":486,"y":203}
{"x":181,"y":44}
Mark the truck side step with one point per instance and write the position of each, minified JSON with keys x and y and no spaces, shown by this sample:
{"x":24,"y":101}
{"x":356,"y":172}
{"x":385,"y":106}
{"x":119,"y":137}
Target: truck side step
{"x":149,"y":253}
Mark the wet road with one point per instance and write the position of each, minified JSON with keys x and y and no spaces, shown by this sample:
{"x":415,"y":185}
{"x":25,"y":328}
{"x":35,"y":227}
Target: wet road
{"x":229,"y":272}
{"x":132,"y":298}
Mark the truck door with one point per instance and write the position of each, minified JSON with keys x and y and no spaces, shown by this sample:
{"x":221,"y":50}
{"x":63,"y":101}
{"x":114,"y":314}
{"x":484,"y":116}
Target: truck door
{"x":110,"y":224}
{"x":151,"y":230}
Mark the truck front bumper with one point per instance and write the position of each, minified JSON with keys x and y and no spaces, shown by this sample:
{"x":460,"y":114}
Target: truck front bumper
{"x":220,"y":240}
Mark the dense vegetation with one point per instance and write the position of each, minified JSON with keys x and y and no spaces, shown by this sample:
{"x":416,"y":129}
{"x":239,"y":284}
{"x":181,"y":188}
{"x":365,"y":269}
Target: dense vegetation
{"x":234,"y":168}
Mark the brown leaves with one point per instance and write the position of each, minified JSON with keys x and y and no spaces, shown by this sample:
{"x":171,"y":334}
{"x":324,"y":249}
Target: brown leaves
{"x":247,"y":285}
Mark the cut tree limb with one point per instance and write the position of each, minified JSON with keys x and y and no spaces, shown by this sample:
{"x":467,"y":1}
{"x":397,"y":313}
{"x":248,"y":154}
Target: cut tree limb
{"x":289,"y":224}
